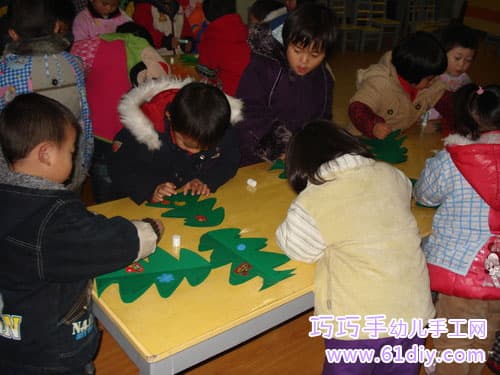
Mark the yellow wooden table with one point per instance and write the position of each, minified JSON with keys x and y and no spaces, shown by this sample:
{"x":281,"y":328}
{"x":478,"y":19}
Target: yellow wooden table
{"x":168,"y":335}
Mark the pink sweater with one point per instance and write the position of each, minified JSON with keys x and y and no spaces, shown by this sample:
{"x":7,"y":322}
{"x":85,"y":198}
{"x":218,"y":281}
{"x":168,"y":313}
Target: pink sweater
{"x":85,"y":26}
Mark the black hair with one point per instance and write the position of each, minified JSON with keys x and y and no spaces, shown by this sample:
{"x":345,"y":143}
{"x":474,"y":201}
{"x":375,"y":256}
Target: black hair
{"x":302,"y":2}
{"x":477,"y":109}
{"x":214,"y":9}
{"x":261,"y":8}
{"x":96,"y":14}
{"x":202,"y":112}
{"x":459,"y":35}
{"x":137,"y":30}
{"x":311,"y":25}
{"x":318,"y":142}
{"x":32,"y":18}
{"x":299,"y":3}
{"x":65,"y":11}
{"x":419,"y":55}
{"x":31,"y":119}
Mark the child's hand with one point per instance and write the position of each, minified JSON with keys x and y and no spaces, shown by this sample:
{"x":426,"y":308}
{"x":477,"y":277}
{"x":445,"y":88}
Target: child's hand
{"x":188,"y":47}
{"x":197,"y":187}
{"x":175,"y":43}
{"x":161,"y":190}
{"x":381,"y":130}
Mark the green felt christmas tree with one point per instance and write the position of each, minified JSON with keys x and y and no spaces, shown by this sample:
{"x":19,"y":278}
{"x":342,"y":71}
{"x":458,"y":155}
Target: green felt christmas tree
{"x":389,"y":149}
{"x":279,"y":164}
{"x":160,"y":269}
{"x":197,"y":213}
{"x":245,"y":256}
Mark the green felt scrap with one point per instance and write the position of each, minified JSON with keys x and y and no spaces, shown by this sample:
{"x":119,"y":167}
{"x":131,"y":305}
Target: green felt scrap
{"x":160,"y":269}
{"x":188,"y":59}
{"x":279,"y":164}
{"x":245,"y":255}
{"x":195,"y":212}
{"x":389,"y":149}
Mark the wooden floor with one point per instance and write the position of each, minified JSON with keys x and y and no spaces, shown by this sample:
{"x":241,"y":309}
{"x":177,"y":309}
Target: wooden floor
{"x":287,"y":349}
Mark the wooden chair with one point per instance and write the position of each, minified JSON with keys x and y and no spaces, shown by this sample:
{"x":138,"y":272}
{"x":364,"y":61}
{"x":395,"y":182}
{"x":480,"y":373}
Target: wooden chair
{"x":356,"y":27}
{"x":348,"y":31}
{"x":421,"y":16}
{"x":364,"y":21}
{"x":389,"y":26}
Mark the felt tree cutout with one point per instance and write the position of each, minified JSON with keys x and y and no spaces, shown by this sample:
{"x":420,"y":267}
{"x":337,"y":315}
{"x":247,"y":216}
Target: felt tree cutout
{"x":279,"y":164}
{"x":160,"y":269}
{"x":195,"y":212}
{"x":247,"y":261}
{"x":389,"y":149}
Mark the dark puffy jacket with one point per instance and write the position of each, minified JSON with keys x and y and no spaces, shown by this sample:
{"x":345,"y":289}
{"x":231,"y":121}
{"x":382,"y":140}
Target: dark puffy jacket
{"x":277,"y":102}
{"x":51,"y":249}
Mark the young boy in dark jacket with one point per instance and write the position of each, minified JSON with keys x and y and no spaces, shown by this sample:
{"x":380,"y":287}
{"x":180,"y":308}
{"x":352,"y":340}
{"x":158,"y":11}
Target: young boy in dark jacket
{"x":177,"y":134}
{"x":285,"y":86}
{"x":51,"y":245}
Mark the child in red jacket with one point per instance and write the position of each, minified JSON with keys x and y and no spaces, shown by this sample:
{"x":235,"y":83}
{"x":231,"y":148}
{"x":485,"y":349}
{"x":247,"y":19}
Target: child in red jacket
{"x":223,"y":46}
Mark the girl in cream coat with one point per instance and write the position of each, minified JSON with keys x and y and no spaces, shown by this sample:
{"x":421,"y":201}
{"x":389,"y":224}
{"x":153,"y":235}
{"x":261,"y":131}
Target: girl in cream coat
{"x":352,"y":216}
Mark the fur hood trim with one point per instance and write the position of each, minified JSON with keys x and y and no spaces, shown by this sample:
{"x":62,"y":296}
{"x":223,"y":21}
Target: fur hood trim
{"x":141,"y":127}
{"x":46,"y":45}
{"x":262,"y":42}
{"x":457,"y":140}
{"x":490,"y":137}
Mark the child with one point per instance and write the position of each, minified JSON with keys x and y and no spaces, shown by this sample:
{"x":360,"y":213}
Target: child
{"x":460,"y":43}
{"x":172,"y":23}
{"x":36,"y":61}
{"x":143,"y":16}
{"x":397,"y":91}
{"x":223,"y":45}
{"x":352,"y":216}
{"x":197,"y":21}
{"x":52,"y":246}
{"x":100,"y":17}
{"x":176,"y":135}
{"x":65,"y":14}
{"x":463,"y":180}
{"x":286,"y":85}
{"x":109,"y":61}
{"x":277,"y":24}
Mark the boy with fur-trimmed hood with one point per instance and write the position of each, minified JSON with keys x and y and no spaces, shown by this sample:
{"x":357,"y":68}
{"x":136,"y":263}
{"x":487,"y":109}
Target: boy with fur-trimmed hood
{"x":177,"y":135}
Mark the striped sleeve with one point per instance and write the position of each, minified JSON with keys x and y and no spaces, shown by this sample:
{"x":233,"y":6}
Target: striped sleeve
{"x":299,"y":237}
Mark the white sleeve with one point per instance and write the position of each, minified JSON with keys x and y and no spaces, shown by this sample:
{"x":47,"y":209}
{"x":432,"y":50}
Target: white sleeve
{"x":299,"y":237}
{"x":147,"y":239}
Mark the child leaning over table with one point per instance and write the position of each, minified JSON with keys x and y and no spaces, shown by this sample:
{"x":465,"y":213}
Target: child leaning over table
{"x":52,"y":246}
{"x":401,"y":87}
{"x":353,"y":218}
{"x":464,"y":248}
{"x":36,"y":61}
{"x":176,"y":135}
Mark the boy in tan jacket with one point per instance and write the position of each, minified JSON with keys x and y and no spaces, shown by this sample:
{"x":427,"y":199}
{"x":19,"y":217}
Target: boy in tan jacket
{"x":394,"y":93}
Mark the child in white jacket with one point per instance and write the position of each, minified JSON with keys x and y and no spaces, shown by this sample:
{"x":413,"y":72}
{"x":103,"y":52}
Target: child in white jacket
{"x":352,"y":217}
